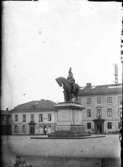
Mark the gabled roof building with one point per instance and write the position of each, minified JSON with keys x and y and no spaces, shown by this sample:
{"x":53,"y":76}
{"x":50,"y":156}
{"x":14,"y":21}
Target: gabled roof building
{"x":35,"y":117}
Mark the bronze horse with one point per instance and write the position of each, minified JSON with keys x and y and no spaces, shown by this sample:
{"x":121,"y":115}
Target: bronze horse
{"x":69,"y":92}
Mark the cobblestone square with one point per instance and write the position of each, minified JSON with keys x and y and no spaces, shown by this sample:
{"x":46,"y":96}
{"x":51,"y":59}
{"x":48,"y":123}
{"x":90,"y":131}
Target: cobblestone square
{"x":89,"y":161}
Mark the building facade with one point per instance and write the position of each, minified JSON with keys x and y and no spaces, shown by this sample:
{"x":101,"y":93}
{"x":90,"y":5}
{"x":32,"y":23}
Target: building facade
{"x":5,"y":121}
{"x":101,"y":113}
{"x":34,"y":118}
{"x":102,"y":108}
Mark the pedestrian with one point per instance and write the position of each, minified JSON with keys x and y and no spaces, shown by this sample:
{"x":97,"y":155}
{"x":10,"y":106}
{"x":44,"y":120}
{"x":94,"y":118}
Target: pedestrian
{"x":27,"y":164}
{"x":17,"y":162}
{"x":45,"y":130}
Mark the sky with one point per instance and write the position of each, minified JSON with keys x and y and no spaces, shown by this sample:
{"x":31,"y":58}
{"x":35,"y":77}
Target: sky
{"x":42,"y":39}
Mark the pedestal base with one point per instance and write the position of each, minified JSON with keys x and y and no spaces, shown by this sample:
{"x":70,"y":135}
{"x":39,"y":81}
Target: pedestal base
{"x":69,"y":119}
{"x":77,"y":128}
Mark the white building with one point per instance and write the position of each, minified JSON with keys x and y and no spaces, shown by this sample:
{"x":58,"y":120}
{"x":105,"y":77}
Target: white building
{"x":36,"y":117}
{"x":102,"y":107}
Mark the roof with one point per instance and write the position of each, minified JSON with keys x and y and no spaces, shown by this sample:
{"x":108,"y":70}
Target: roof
{"x":4,"y":112}
{"x":41,"y":105}
{"x":101,"y":90}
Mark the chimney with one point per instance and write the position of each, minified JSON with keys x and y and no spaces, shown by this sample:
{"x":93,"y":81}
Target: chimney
{"x":88,"y":85}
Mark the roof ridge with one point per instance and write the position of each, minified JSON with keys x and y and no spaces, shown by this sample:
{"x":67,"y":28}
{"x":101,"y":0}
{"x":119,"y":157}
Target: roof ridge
{"x":36,"y":104}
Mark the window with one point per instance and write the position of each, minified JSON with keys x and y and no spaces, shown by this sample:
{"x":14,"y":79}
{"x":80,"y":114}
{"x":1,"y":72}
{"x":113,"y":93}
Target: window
{"x":16,"y":129}
{"x":89,"y":113}
{"x":40,"y":117}
{"x":24,"y":128}
{"x":98,"y":99}
{"x":89,"y":125}
{"x":89,"y":100}
{"x":109,"y":112}
{"x":9,"y":119}
{"x":99,"y":112}
{"x":119,"y":125}
{"x":109,"y":99}
{"x":24,"y":117}
{"x":32,"y":117}
{"x":16,"y":117}
{"x":109,"y":125}
{"x":120,"y":113}
{"x":3,"y":118}
{"x":119,"y":100}
{"x":49,"y":117}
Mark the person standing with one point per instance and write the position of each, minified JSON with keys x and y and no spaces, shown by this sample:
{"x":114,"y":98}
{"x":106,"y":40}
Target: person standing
{"x":45,"y":130}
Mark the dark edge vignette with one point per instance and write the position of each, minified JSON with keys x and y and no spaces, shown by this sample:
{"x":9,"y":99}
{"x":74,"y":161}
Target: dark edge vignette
{"x":1,"y":49}
{"x":121,"y":130}
{"x":105,"y":0}
{"x":19,"y":0}
{"x":1,"y":10}
{"x":88,"y":0}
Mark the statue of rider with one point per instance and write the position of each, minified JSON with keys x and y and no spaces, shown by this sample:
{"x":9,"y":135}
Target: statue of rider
{"x":71,"y":79}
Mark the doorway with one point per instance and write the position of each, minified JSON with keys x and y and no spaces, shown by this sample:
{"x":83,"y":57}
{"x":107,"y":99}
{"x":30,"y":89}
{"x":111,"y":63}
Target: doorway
{"x":99,"y":126}
{"x":32,"y":128}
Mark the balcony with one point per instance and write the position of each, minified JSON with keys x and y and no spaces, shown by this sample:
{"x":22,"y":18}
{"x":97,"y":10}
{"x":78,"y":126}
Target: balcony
{"x":99,"y":116}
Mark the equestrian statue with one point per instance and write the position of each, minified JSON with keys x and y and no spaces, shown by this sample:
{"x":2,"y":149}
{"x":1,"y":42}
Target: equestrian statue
{"x":71,"y":89}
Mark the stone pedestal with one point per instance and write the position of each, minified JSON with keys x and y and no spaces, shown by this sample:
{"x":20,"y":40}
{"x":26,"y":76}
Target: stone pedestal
{"x":69,"y":117}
